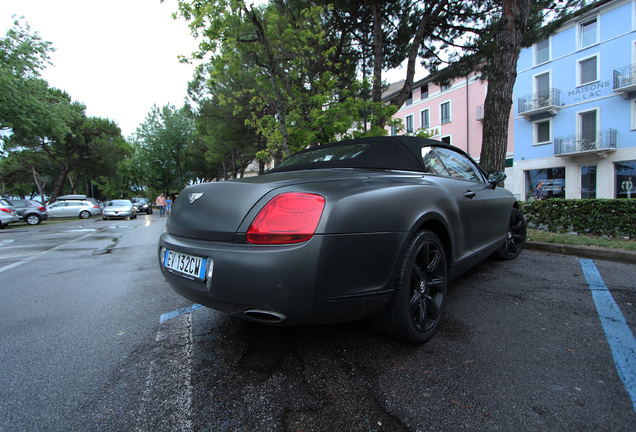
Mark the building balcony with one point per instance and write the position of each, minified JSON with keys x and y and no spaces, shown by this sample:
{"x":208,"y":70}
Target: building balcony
{"x":544,"y":101}
{"x":601,"y":143}
{"x":625,"y":80}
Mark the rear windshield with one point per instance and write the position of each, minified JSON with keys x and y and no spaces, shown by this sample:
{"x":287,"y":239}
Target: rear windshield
{"x":321,"y":154}
{"x":369,"y":153}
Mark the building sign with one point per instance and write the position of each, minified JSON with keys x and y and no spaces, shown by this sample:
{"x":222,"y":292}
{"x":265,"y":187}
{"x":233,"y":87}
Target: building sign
{"x":433,"y":132}
{"x":589,"y":91}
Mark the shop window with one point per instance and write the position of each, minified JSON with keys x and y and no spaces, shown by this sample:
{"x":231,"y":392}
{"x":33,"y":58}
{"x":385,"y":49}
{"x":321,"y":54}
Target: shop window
{"x":588,"y":182}
{"x":625,"y":179}
{"x":553,"y":182}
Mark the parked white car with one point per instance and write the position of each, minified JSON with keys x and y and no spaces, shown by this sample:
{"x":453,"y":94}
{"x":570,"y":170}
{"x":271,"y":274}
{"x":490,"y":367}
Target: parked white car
{"x":81,"y":209}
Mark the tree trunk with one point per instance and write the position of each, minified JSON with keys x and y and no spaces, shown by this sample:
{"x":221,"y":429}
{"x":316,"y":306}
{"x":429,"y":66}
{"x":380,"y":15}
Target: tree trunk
{"x":38,"y":185}
{"x":503,"y":71}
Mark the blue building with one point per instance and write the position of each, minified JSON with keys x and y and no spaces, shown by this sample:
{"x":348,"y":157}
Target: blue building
{"x":575,"y":108}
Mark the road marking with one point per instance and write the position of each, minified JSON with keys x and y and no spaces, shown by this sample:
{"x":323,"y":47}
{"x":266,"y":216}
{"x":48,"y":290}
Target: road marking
{"x":32,"y":257}
{"x":174,"y":314}
{"x":168,"y":391}
{"x":619,"y":336}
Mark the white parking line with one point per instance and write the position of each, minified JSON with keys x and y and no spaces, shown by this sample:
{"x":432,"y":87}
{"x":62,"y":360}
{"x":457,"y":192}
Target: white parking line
{"x":32,"y":257}
{"x":167,"y":397}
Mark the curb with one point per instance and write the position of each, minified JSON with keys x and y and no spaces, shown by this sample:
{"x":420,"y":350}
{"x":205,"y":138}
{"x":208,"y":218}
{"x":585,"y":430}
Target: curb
{"x":608,"y":254}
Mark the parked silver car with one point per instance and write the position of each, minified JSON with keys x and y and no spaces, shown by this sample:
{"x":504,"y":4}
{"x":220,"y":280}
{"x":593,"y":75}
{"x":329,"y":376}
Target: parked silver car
{"x":29,"y":211}
{"x":81,"y":209}
{"x":119,"y":209}
{"x":7,"y":213}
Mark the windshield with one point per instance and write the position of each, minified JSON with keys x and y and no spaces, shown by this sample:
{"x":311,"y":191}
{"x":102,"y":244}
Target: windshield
{"x":118,"y":203}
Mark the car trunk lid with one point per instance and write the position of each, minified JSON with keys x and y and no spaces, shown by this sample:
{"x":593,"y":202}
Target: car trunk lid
{"x":216,"y":210}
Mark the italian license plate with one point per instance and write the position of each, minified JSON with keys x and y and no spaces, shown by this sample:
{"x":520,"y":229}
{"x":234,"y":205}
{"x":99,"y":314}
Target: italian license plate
{"x":184,"y":264}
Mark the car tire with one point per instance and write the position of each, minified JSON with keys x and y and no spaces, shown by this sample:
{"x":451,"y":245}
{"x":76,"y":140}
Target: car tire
{"x":84,"y":214}
{"x":33,"y":219}
{"x":415,"y":310}
{"x":515,"y":237}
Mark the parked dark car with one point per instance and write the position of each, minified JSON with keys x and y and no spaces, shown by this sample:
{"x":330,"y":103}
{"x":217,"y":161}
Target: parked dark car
{"x":373,"y":227}
{"x":143,"y":205}
{"x":7,"y":213}
{"x":30,"y":211}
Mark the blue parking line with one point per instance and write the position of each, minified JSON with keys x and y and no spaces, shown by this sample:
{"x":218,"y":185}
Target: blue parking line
{"x":619,"y":336}
{"x":182,"y":311}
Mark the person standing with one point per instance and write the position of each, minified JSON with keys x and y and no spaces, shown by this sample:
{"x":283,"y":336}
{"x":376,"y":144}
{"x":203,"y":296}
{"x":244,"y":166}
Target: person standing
{"x":168,"y":205}
{"x":161,"y":203}
{"x":538,"y":193}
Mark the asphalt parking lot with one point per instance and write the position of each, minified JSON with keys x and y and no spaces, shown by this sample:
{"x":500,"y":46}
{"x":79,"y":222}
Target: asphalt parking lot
{"x":523,"y":347}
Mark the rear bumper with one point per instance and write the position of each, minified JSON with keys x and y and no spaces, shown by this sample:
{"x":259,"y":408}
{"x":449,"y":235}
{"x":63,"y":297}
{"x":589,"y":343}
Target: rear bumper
{"x":8,"y":219}
{"x":327,"y":279}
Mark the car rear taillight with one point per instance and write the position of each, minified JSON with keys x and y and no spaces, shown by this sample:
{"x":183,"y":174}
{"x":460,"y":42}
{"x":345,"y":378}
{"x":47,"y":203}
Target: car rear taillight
{"x":288,"y":218}
{"x":41,"y":209}
{"x":4,"y":209}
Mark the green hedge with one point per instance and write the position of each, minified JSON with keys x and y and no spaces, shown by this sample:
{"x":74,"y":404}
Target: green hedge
{"x":604,"y":217}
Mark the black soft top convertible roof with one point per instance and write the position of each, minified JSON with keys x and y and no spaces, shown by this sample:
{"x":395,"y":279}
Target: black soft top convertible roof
{"x":393,"y":153}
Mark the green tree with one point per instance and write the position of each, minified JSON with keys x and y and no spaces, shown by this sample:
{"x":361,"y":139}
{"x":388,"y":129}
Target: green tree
{"x":163,"y":148}
{"x":291,"y":70}
{"x":510,"y":25}
{"x":23,"y":94}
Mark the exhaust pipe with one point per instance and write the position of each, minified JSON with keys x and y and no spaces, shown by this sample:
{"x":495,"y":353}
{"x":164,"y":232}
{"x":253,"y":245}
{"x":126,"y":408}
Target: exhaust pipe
{"x":265,"y":316}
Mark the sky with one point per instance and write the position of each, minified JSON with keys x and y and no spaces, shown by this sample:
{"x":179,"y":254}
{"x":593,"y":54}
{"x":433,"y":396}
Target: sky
{"x":118,"y":57}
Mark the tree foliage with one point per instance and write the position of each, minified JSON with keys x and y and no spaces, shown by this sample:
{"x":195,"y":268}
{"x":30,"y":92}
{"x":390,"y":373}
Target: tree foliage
{"x":46,"y":136}
{"x":273,"y":79}
{"x":163,"y":150}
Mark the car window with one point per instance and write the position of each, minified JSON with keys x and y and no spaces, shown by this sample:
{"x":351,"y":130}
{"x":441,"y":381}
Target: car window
{"x":458,"y":165}
{"x":59,"y":204}
{"x":432,"y":162}
{"x":19,"y":204}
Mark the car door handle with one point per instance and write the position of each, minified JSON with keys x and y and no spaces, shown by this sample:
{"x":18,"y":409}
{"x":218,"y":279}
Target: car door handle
{"x":470,"y":194}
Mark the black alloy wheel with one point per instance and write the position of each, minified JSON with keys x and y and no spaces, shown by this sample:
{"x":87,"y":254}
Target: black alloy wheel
{"x":515,"y":237}
{"x":416,"y":309}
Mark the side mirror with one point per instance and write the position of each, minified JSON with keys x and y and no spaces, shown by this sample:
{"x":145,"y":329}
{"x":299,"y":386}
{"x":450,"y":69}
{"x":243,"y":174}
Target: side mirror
{"x":495,"y":177}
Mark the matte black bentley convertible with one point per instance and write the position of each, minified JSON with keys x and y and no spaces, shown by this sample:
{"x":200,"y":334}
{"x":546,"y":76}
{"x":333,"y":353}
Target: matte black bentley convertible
{"x":373,"y":227}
